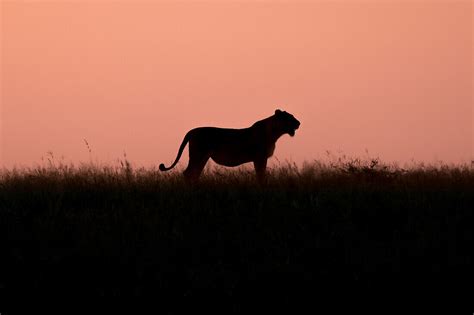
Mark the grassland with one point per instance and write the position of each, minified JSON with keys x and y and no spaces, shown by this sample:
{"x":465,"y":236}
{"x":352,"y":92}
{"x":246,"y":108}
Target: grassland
{"x":96,"y":230}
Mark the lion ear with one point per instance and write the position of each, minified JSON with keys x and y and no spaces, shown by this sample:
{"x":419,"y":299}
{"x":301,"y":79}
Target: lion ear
{"x":277,"y":112}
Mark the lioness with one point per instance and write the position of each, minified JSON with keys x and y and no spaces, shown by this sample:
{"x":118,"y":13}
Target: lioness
{"x":232,"y":147}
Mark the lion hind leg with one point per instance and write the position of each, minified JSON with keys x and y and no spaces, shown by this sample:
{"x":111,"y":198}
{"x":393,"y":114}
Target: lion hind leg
{"x":197,"y":161}
{"x":194,"y":169}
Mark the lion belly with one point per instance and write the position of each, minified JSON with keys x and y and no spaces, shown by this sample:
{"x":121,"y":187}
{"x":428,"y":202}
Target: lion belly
{"x":233,"y":147}
{"x":229,"y":160}
{"x":233,"y":153}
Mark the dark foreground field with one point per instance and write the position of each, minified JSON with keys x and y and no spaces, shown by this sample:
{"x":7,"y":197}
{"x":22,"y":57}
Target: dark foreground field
{"x":81,"y":231}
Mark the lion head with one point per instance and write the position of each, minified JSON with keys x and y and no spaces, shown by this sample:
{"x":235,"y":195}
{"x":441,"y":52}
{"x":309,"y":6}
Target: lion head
{"x":286,"y":122}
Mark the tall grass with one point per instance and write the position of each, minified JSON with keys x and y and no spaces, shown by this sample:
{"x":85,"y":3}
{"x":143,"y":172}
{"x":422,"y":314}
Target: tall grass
{"x":94,"y":229}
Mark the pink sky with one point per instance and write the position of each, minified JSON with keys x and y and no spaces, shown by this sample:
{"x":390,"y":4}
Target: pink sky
{"x":392,"y":77}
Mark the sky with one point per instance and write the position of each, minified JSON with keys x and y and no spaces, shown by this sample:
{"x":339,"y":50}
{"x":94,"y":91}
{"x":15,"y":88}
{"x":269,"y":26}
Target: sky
{"x":391,"y":78}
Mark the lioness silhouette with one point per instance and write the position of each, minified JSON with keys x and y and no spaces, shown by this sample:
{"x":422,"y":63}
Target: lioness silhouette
{"x":233,"y":147}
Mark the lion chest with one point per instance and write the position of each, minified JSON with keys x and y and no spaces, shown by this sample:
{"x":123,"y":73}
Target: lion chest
{"x":270,"y":150}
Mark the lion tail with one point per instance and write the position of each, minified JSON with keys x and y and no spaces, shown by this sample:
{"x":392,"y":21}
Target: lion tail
{"x":180,"y":151}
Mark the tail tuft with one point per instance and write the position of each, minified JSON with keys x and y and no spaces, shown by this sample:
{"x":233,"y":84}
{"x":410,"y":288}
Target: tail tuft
{"x":162,"y":167}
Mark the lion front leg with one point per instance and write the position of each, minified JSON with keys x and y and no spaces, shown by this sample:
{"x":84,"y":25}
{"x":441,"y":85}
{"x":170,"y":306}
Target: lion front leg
{"x":260,"y":168}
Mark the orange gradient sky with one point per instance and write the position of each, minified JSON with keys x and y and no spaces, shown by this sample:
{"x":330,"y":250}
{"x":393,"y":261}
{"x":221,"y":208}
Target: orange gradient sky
{"x":390,"y":77}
